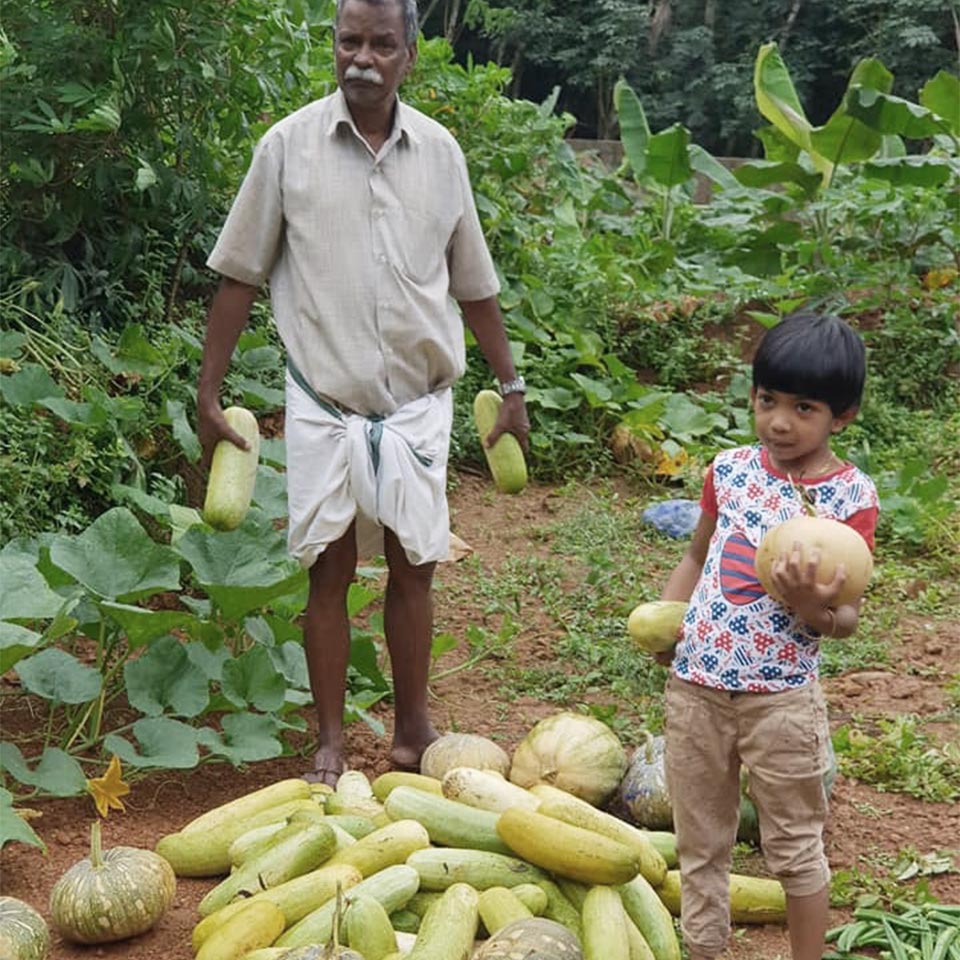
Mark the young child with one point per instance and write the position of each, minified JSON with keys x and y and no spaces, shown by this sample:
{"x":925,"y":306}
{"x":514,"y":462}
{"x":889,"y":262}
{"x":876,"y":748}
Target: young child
{"x":743,"y":685}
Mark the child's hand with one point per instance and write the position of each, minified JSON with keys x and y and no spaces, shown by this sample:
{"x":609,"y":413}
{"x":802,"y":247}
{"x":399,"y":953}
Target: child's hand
{"x":665,"y":657}
{"x":795,"y":578}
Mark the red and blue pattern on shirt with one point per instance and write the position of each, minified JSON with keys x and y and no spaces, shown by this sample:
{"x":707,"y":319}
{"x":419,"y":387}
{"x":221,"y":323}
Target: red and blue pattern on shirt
{"x":735,"y":636}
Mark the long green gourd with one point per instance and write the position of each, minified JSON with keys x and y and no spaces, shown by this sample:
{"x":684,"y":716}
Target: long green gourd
{"x":233,"y":473}
{"x":505,"y":458}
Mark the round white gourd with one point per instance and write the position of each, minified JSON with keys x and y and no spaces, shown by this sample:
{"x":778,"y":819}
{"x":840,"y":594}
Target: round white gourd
{"x":463,"y":750}
{"x":572,"y":752}
{"x":837,"y":544}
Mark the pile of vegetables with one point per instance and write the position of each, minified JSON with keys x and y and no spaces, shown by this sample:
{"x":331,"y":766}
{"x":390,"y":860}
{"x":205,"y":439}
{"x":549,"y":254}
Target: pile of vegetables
{"x":930,"y":931}
{"x":470,"y":864}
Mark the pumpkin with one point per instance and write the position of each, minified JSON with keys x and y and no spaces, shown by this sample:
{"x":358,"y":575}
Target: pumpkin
{"x":643,"y":790}
{"x":837,"y":544}
{"x":532,"y":938}
{"x":23,"y":932}
{"x":112,"y":894}
{"x":572,"y":752}
{"x":463,"y":750}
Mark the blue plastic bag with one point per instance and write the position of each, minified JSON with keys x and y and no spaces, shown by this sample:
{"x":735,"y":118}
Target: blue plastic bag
{"x":675,"y":518}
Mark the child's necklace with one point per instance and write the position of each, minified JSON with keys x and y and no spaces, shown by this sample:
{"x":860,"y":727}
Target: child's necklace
{"x":829,"y":462}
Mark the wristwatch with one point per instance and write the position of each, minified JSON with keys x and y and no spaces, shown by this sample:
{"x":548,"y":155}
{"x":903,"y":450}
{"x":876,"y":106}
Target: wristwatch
{"x":517,"y":385}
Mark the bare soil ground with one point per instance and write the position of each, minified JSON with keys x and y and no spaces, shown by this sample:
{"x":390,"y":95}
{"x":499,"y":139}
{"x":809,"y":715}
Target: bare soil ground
{"x":866,"y":827}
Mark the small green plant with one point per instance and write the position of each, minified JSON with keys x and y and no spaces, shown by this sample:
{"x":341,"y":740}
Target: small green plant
{"x":899,"y":758}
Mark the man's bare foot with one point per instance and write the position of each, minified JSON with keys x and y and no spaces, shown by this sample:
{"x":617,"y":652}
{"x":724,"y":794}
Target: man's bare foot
{"x":406,"y":756}
{"x":327,"y":767}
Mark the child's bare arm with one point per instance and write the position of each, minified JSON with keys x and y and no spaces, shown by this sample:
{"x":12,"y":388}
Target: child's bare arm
{"x":687,"y":572}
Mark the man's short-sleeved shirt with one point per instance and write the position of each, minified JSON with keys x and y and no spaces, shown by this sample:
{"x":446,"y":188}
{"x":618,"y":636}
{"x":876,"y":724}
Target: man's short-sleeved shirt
{"x":365,"y":253}
{"x":735,"y":636}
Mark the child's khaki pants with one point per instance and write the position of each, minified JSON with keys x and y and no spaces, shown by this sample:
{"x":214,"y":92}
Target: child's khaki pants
{"x":782,"y":739}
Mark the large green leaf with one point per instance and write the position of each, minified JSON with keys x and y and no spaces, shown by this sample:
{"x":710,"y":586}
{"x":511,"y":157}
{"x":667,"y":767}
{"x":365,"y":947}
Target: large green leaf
{"x":291,"y":660}
{"x":26,"y":595}
{"x":246,"y":738}
{"x":141,"y":625}
{"x":56,"y":675}
{"x":915,"y":171}
{"x":710,"y":167}
{"x":843,"y":138}
{"x":273,"y":451}
{"x":777,"y":100}
{"x":164,"y":743}
{"x":13,"y":827}
{"x":56,"y":773}
{"x":668,"y":161}
{"x":181,"y":520}
{"x":252,"y":680}
{"x":30,"y":384}
{"x":766,"y":173}
{"x":70,"y":411}
{"x":183,"y":433}
{"x":152,"y":506}
{"x":165,"y":679}
{"x":892,"y":115}
{"x":941,"y":94}
{"x":134,"y":354}
{"x":15,"y":643}
{"x":634,"y":129}
{"x":114,"y":558}
{"x":270,"y":492}
{"x":208,"y":662}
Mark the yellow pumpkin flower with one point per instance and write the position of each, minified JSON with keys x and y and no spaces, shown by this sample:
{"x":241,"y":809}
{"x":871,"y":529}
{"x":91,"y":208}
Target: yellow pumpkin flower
{"x":108,"y":789}
{"x":671,"y":466}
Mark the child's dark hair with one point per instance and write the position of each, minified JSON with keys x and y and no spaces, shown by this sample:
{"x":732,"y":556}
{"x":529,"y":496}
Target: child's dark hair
{"x":815,"y":355}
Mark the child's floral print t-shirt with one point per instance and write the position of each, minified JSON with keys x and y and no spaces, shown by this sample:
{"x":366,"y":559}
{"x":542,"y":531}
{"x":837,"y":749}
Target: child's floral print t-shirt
{"x":735,"y":636}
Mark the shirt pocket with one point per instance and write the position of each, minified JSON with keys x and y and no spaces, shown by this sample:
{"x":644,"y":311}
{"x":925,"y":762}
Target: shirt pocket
{"x":419,"y":236}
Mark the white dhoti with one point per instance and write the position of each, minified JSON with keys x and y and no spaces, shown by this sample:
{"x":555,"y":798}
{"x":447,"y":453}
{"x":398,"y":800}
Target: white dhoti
{"x":382,"y":472}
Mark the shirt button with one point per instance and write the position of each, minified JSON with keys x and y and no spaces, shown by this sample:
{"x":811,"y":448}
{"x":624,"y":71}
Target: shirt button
{"x":382,"y":258}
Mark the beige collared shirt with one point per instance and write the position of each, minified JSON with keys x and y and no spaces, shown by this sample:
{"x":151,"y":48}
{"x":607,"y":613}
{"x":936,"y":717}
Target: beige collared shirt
{"x":365,"y":253}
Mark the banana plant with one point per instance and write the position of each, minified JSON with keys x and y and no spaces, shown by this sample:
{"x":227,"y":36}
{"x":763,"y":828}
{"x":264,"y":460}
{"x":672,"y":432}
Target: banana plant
{"x":663,"y":163}
{"x":868,"y":127}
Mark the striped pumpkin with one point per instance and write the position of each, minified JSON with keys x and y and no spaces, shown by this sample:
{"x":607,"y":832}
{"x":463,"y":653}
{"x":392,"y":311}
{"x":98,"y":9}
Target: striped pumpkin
{"x":23,"y":932}
{"x":112,"y":894}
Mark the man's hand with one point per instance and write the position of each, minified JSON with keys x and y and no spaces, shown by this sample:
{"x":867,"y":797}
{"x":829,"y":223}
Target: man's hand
{"x":212,"y":427}
{"x":511,"y":419}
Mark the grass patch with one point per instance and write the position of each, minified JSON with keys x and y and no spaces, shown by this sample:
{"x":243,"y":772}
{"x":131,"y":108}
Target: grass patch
{"x":897,"y":757}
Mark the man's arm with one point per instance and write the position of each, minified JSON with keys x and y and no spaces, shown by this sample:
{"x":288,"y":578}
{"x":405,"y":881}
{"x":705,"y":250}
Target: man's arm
{"x":485,"y":321}
{"x":228,"y":315}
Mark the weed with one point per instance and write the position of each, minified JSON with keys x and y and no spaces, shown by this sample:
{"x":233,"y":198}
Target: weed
{"x":899,"y":758}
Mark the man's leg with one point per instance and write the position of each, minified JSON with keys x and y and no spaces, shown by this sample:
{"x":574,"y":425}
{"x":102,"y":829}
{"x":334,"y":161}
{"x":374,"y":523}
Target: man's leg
{"x":326,"y":638}
{"x":408,"y":624}
{"x":807,"y":921}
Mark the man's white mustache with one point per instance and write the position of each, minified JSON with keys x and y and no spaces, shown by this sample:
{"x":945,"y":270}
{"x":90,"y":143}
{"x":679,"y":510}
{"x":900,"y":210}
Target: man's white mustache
{"x":369,"y":74}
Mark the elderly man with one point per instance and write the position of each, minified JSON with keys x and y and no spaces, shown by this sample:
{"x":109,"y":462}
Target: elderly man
{"x":358,"y":211}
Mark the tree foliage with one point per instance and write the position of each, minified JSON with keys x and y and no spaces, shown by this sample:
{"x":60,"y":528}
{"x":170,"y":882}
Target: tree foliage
{"x":688,"y":60}
{"x":124,"y":126}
